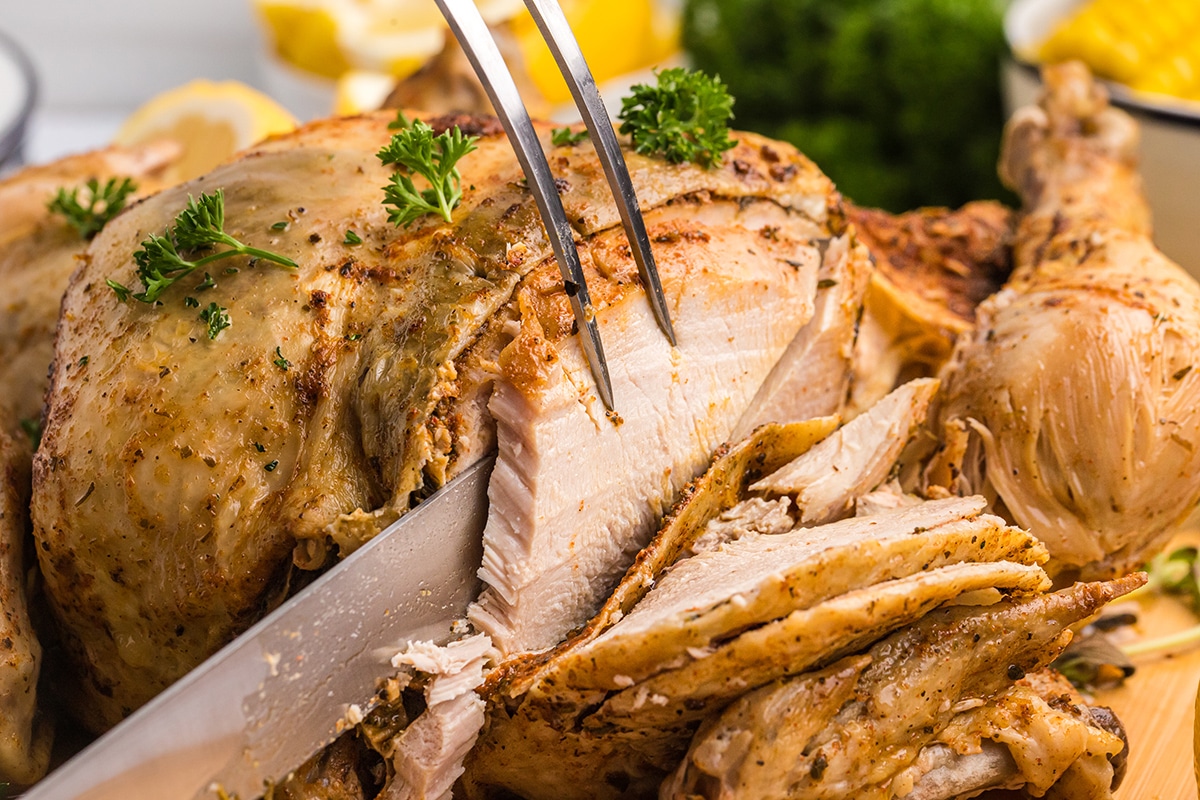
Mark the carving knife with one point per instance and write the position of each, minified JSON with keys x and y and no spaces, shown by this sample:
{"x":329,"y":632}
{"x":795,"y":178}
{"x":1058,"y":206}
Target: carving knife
{"x":278,"y":693}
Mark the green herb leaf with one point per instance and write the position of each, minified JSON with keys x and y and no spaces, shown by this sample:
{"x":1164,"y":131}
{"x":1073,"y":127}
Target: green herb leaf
{"x":259,"y":448}
{"x":281,"y":362}
{"x":416,"y":151}
{"x":271,"y":466}
{"x":217,"y":319}
{"x":199,"y":227}
{"x":33,"y":429}
{"x":92,"y":212}
{"x":191,"y":302}
{"x":207,"y":283}
{"x":1176,"y":573}
{"x":352,"y":238}
{"x":83,"y":362}
{"x":562,"y":137}
{"x":280,"y":226}
{"x":400,"y":122}
{"x":685,"y":117}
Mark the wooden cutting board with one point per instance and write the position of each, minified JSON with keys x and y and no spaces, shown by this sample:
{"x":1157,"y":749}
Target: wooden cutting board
{"x":1157,"y":706}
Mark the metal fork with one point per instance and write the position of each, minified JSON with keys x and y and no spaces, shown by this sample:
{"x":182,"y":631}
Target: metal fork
{"x":476,"y":40}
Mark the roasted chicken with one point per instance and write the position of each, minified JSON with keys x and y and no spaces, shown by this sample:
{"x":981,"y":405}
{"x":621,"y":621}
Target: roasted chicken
{"x":184,"y":483}
{"x":807,"y":622}
{"x":802,"y":652}
{"x":38,"y":252}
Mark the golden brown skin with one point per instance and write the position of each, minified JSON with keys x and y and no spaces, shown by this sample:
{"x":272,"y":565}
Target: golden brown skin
{"x":1076,"y":401}
{"x":933,"y":266}
{"x":38,"y":253}
{"x":180,"y":478}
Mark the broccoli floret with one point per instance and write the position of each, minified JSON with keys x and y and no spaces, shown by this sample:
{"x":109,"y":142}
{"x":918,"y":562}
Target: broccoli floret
{"x":897,"y":100}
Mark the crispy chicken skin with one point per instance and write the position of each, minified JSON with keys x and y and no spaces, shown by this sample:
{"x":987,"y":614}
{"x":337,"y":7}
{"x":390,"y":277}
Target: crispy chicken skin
{"x":182,"y":479}
{"x":933,"y":267}
{"x":1095,"y":328}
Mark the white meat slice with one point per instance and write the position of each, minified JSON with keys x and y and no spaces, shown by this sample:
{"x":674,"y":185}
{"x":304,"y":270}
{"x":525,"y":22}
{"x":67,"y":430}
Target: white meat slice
{"x":429,"y":753}
{"x":803,"y":639}
{"x":813,"y":377}
{"x":757,"y":579}
{"x":855,"y":459}
{"x":575,"y":494}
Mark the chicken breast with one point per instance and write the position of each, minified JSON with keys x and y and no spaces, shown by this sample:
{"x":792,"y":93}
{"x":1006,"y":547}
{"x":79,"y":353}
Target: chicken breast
{"x":184,"y":482}
{"x":941,"y":678}
{"x":1095,"y":327}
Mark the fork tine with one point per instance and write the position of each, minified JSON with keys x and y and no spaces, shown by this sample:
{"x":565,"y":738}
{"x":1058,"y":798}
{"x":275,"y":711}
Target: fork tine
{"x":476,"y":40}
{"x":558,"y":35}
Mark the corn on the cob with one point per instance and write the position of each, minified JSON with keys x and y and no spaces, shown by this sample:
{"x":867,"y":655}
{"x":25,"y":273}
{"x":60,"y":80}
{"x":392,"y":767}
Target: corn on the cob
{"x":1149,"y":45}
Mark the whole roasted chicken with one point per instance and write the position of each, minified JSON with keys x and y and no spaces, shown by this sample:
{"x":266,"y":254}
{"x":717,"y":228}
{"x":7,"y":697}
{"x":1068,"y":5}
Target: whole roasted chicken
{"x":191,"y":472}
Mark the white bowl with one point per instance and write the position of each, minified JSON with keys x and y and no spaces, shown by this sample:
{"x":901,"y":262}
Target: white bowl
{"x":18,"y":90}
{"x":1170,"y":149}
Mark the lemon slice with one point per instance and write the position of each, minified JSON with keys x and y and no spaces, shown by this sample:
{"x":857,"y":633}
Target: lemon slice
{"x":211,"y":120}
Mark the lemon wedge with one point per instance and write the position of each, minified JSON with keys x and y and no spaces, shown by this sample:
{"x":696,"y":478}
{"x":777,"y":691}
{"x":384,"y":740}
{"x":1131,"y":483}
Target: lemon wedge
{"x":211,"y":120}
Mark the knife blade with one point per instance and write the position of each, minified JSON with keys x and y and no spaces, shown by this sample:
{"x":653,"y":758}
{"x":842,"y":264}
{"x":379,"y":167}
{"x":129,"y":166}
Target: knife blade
{"x":272,"y":698}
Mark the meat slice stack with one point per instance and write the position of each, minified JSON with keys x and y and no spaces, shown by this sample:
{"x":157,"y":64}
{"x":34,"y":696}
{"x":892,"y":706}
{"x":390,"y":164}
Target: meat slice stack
{"x":752,"y":653}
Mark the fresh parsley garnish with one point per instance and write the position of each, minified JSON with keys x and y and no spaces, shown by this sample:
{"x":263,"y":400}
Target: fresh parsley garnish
{"x":98,"y":205}
{"x":217,"y":319}
{"x":271,"y":466}
{"x":400,"y":122}
{"x":684,"y":118}
{"x":207,"y":283}
{"x":280,"y":226}
{"x":416,"y":151}
{"x":562,"y":137}
{"x":199,"y":227}
{"x":280,"y":361}
{"x":1177,"y":573}
{"x":352,"y":238}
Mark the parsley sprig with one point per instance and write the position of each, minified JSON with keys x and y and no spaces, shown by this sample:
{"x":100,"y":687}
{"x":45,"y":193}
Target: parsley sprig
{"x":563,"y":137}
{"x":98,"y":204}
{"x":198,"y":228}
{"x":416,"y":151}
{"x":685,"y":117}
